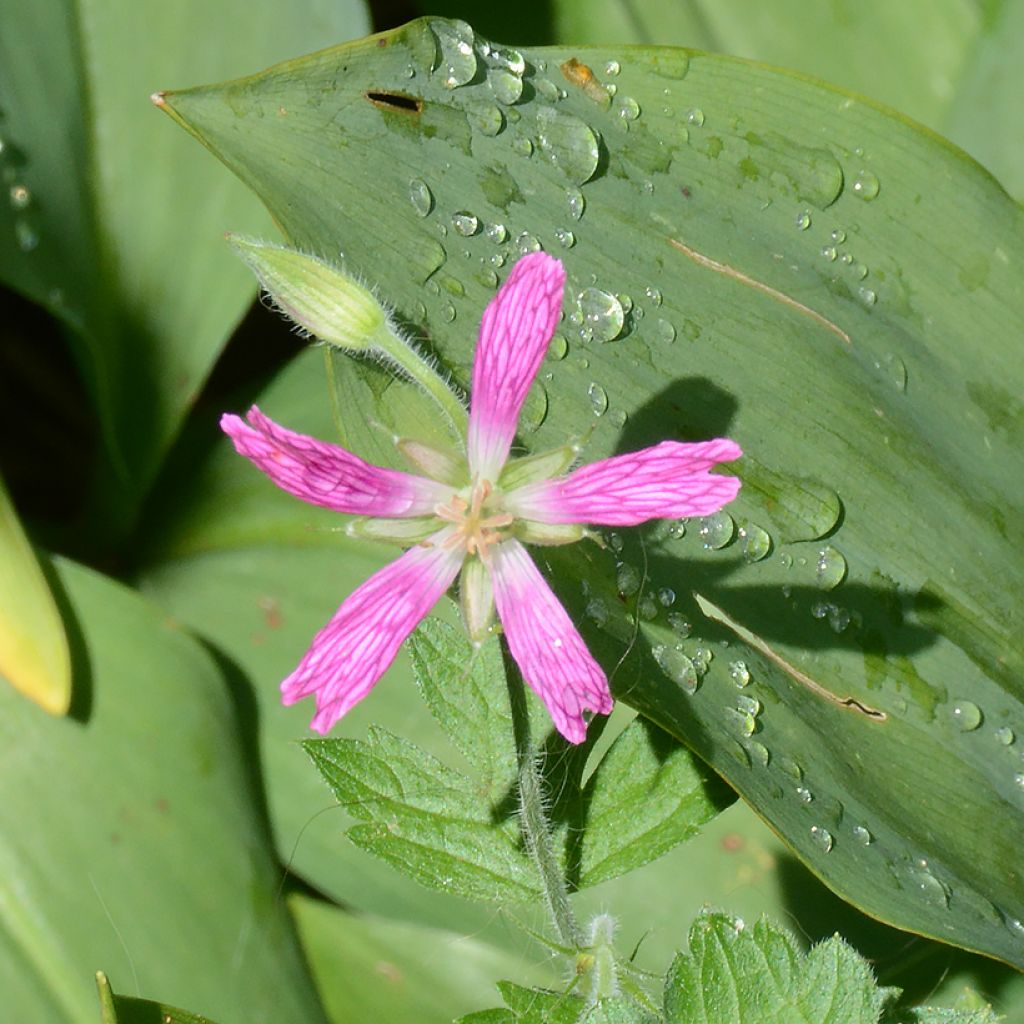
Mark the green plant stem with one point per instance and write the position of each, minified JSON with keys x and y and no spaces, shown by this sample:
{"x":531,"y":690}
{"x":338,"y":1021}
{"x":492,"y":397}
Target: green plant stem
{"x":398,"y":351}
{"x":533,"y":820}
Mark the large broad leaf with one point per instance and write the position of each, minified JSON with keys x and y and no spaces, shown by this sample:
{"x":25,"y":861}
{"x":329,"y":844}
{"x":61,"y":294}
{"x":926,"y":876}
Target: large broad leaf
{"x":753,"y":254}
{"x":115,"y":225}
{"x":131,"y":837}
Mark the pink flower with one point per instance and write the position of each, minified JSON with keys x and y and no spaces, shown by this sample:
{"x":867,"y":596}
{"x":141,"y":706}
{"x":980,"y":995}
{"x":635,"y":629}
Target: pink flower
{"x":472,"y":513}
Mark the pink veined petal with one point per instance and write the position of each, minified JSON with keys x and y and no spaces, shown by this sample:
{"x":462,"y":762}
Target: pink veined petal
{"x":514,"y":335}
{"x":548,"y":649}
{"x":668,"y":480}
{"x":324,"y":474}
{"x":355,"y":648}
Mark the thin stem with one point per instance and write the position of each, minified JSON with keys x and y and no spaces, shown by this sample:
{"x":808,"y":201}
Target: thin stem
{"x":396,"y":349}
{"x":533,"y":820}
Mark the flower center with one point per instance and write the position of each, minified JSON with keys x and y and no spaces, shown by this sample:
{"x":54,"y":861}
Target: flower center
{"x":475,"y":525}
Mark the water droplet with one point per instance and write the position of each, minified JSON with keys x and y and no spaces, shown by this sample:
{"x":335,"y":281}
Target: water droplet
{"x":628,"y":579}
{"x":760,"y":752}
{"x":597,"y":611}
{"x":421,"y":197}
{"x":525,"y":242}
{"x":504,"y":58}
{"x":1005,"y":735}
{"x":627,"y":108}
{"x":559,"y":347}
{"x":448,"y":313}
{"x":804,"y":794}
{"x":522,"y":145}
{"x":546,"y":90}
{"x":702,"y":658}
{"x":1018,"y":779}
{"x":458,"y":63}
{"x":717,"y":531}
{"x":498,"y":259}
{"x":625,"y":301}
{"x":486,"y":119}
{"x":933,"y":891}
{"x":803,"y":220}
{"x":740,"y":673}
{"x":568,"y":143}
{"x":654,"y":295}
{"x":741,"y":721}
{"x":465,"y":223}
{"x":565,"y":237}
{"x":487,"y":277}
{"x":602,"y":314}
{"x":496,"y":233}
{"x":896,"y":370}
{"x":748,"y":704}
{"x":838,"y":236}
{"x":535,"y":409}
{"x":679,"y":625}
{"x":791,"y":768}
{"x":862,"y":835}
{"x":756,"y":542}
{"x":667,"y":596}
{"x":846,"y":258}
{"x":612,"y":68}
{"x":865,"y":185}
{"x":664,"y":331}
{"x":695,"y":116}
{"x":859,"y":271}
{"x":867,"y":296}
{"x":829,"y":252}
{"x":615,"y":542}
{"x":677,"y":666}
{"x":506,"y":86}
{"x":647,"y":609}
{"x":822,"y":838}
{"x":967,"y":716}
{"x":618,"y":417}
{"x":598,"y":399}
{"x":25,"y":235}
{"x":577,"y":204}
{"x":676,"y":530}
{"x":830,"y":569}
{"x":838,"y":618}
{"x":1015,"y":926}
{"x":20,"y":197}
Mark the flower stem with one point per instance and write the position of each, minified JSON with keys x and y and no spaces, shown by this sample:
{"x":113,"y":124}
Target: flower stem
{"x":398,"y":351}
{"x":533,"y":820}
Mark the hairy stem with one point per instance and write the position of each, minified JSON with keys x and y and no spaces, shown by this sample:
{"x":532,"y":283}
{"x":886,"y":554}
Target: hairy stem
{"x":534,"y":822}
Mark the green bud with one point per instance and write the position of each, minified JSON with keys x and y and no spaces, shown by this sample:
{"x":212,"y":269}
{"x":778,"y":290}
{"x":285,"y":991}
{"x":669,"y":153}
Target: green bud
{"x":476,"y":598}
{"x":319,"y":297}
{"x":394,"y":531}
{"x":548,"y":534}
{"x":446,"y":466}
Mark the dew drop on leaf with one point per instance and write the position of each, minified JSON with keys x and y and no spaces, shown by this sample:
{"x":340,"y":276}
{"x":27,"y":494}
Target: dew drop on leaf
{"x":420,"y":196}
{"x":740,"y":673}
{"x":577,"y":204}
{"x":1005,"y":736}
{"x":865,"y":185}
{"x":862,"y":835}
{"x":664,"y":331}
{"x":465,"y":223}
{"x":667,"y":596}
{"x":695,"y":116}
{"x":830,"y":569}
{"x":822,"y":838}
{"x":568,"y":143}
{"x":496,"y":233}
{"x":804,"y":795}
{"x":716,"y":531}
{"x":602,"y":314}
{"x":803,"y":220}
{"x":756,"y":542}
{"x":678,"y":667}
{"x":627,"y":579}
{"x":458,"y":63}
{"x":679,"y":625}
{"x":486,"y":119}
{"x":598,"y":398}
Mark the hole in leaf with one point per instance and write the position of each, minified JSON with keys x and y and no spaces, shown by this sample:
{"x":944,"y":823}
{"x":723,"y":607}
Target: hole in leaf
{"x":396,"y":101}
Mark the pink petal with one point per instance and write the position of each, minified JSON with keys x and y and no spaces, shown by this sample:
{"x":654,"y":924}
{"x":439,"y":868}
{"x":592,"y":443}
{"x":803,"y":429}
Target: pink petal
{"x":549,"y":651}
{"x":324,"y":474}
{"x":514,"y":335}
{"x":668,"y":480}
{"x":355,"y":648}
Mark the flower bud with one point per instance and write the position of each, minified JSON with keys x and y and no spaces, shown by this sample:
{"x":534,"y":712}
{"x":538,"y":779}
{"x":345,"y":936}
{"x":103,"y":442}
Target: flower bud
{"x":319,"y":297}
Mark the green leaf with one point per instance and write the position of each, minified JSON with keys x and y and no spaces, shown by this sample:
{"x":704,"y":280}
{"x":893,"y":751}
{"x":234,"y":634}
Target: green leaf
{"x":533,"y":1006}
{"x":131,"y":836}
{"x":735,"y":974}
{"x":34,"y":654}
{"x":117,"y":1009}
{"x":372,"y":969}
{"x":116,"y":224}
{"x":886,"y":375}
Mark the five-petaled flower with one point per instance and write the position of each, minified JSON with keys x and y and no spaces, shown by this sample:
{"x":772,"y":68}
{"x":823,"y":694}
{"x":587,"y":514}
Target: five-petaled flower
{"x":473,"y":511}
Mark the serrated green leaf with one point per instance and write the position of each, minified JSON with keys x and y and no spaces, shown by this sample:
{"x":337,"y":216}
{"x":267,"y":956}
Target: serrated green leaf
{"x":117,"y":1009}
{"x":888,"y":374}
{"x":647,"y":795}
{"x":738,"y":975}
{"x":926,"y":1015}
{"x":425,"y":819}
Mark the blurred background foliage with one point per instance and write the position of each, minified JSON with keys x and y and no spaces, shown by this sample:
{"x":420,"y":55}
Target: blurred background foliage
{"x":140,"y":252}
